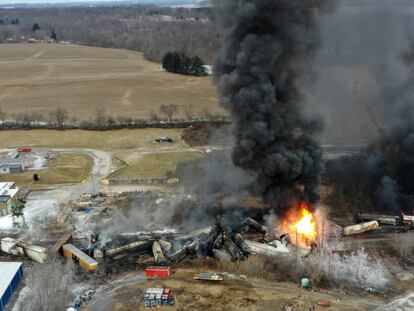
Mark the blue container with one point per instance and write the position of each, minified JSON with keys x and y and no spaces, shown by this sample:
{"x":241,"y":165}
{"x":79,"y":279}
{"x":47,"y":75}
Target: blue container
{"x":11,"y":275}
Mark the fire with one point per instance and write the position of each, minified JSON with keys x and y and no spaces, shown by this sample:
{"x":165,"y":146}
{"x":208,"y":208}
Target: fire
{"x":306,"y":225}
{"x":300,"y":225}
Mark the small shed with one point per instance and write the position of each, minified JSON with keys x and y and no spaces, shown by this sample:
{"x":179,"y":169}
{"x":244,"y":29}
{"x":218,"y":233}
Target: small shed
{"x":11,"y":166}
{"x":11,"y":275}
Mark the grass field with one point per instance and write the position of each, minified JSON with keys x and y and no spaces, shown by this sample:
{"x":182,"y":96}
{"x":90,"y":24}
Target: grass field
{"x":41,"y":77}
{"x":110,"y":140}
{"x":66,"y":168}
{"x":155,"y":165}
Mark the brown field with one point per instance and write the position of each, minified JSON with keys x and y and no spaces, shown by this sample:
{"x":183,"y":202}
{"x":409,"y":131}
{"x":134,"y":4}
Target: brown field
{"x":110,"y":140}
{"x":155,"y":164}
{"x":232,"y":295}
{"x":41,"y":77}
{"x":66,"y":168}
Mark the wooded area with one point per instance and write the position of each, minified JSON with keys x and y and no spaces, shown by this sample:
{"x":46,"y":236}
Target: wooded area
{"x":146,"y":28}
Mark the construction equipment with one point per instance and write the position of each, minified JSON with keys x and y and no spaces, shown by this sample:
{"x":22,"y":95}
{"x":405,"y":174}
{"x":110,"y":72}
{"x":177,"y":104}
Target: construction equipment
{"x":17,"y":211}
{"x":207,"y":276}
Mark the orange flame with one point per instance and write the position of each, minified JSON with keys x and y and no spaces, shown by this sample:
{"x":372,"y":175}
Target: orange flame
{"x":306,"y":225}
{"x":299,"y":223}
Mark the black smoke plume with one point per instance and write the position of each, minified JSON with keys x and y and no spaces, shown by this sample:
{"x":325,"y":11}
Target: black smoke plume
{"x":382,"y":176}
{"x":268,"y":46}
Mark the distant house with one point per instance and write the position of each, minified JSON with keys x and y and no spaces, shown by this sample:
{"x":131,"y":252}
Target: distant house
{"x":9,"y":193}
{"x":11,"y":166}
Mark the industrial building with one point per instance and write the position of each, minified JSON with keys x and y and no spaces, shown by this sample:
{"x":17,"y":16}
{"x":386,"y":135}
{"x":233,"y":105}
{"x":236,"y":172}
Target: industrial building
{"x":11,"y":275}
{"x":9,"y":193}
{"x":11,"y":165}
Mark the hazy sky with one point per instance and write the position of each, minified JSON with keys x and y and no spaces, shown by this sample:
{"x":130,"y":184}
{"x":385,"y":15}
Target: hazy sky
{"x":57,"y":1}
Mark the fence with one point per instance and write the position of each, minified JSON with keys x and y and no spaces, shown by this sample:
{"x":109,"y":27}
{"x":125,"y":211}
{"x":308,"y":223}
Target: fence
{"x":136,"y":181}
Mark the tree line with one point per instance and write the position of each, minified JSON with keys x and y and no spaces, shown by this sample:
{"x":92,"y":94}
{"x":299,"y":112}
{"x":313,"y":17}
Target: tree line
{"x":180,"y":63}
{"x":14,"y":21}
{"x":146,"y":28}
{"x":168,"y":116}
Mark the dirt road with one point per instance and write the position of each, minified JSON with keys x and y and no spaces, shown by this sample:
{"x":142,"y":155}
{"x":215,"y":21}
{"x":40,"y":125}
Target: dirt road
{"x":41,"y":203}
{"x":126,"y":293}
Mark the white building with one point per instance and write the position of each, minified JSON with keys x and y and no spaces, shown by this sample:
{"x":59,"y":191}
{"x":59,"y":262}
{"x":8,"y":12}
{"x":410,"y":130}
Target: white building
{"x":9,"y":193}
{"x":11,"y":166}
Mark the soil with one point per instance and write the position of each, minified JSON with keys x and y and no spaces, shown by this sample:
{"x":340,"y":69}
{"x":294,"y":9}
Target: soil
{"x":231,"y":294}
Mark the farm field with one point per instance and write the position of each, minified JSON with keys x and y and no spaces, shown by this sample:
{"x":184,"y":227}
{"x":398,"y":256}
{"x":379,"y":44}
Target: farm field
{"x":109,"y":140}
{"x":66,"y":168}
{"x":155,"y":164}
{"x":41,"y":77}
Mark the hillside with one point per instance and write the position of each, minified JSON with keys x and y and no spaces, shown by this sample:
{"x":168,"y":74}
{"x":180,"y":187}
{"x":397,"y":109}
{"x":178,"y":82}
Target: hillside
{"x":41,"y":77}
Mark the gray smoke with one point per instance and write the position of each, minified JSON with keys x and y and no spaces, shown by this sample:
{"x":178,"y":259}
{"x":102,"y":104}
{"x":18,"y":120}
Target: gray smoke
{"x":382,"y":176}
{"x":269,"y":45}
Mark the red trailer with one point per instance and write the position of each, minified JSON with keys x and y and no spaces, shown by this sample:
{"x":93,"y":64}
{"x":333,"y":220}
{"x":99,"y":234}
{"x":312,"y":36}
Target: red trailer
{"x":155,"y":272}
{"x":24,"y":150}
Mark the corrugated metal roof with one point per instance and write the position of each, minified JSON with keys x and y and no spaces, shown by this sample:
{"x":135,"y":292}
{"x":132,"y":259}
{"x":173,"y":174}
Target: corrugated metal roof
{"x":7,"y":190}
{"x":7,"y":271}
{"x":6,"y":185}
{"x":11,"y":161}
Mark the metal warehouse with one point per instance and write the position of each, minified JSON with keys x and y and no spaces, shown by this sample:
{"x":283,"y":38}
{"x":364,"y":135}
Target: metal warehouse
{"x":11,"y":274}
{"x":11,"y":165}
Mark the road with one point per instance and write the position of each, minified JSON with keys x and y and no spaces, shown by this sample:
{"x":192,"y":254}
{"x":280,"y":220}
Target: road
{"x":41,"y":203}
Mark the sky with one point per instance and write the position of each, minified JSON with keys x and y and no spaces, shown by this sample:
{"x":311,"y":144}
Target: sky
{"x":65,"y":1}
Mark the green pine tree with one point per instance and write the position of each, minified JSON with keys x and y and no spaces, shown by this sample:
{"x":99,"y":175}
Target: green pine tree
{"x":35,"y":27}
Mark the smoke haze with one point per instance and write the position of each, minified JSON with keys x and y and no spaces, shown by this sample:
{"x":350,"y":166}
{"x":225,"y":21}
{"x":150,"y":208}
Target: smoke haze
{"x":378,"y":77}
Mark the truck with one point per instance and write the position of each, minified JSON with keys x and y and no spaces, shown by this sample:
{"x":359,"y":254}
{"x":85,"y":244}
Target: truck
{"x":156,"y":271}
{"x":158,"y":296}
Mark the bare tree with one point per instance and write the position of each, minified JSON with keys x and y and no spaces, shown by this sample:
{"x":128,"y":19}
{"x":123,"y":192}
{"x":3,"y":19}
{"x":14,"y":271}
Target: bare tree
{"x":3,"y":116}
{"x":168,"y":111}
{"x":36,"y":117}
{"x":188,"y":111}
{"x":50,"y":285}
{"x":18,"y":118}
{"x":154,"y":116}
{"x":73,"y":120}
{"x":26,"y":119}
{"x":58,"y":117}
{"x":205,"y":114}
{"x":100,"y":118}
{"x":121,"y":120}
{"x":111,"y":122}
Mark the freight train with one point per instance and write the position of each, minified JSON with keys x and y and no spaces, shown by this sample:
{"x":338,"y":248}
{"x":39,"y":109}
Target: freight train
{"x":79,"y":257}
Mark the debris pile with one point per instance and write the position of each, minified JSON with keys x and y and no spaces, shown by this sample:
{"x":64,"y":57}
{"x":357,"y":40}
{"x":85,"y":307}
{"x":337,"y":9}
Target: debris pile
{"x":223,"y":242}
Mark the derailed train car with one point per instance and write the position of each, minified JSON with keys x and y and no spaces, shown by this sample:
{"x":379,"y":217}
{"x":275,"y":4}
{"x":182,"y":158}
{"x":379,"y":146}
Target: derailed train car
{"x":76,"y":255}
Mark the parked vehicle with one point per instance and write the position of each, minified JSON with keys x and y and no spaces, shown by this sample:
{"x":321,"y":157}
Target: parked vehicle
{"x":87,"y":295}
{"x":164,"y":139}
{"x":154,"y":272}
{"x":155,"y":297}
{"x":80,"y":301}
{"x":24,"y":150}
